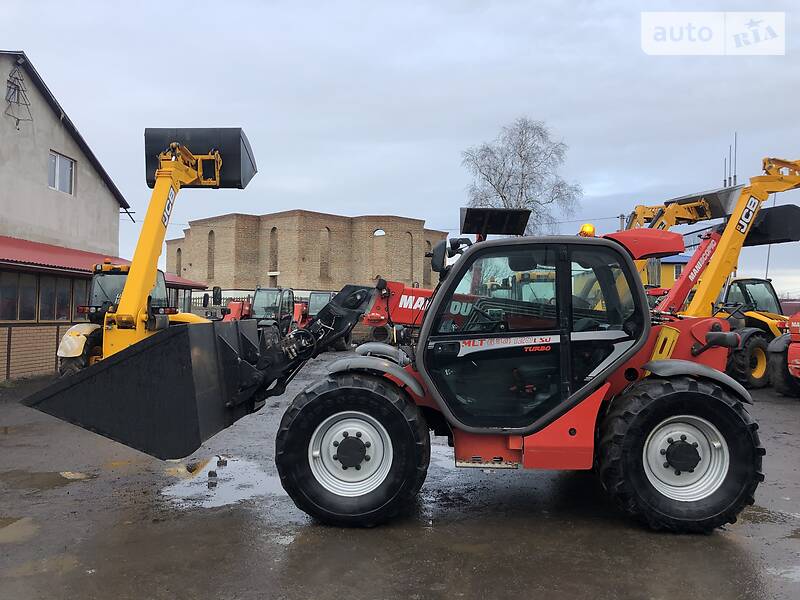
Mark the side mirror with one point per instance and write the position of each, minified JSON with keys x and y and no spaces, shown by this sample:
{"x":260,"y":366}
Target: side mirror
{"x":438,"y":256}
{"x":205,"y":300}
{"x":216,"y":292}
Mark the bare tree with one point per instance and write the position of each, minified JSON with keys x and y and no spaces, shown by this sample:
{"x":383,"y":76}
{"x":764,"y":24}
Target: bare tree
{"x":520,"y":169}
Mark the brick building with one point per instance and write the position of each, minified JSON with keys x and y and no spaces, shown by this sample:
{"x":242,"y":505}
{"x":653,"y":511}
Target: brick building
{"x":303,"y":250}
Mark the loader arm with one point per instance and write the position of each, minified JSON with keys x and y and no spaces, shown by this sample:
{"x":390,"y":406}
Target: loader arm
{"x":132,"y":320}
{"x":779,"y":176}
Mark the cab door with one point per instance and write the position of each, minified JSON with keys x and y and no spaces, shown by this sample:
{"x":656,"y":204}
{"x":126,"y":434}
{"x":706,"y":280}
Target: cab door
{"x":286,"y":313}
{"x":521,"y":331}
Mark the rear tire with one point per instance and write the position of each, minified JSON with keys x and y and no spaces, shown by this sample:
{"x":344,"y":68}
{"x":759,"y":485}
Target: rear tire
{"x":390,"y":429}
{"x":782,"y":380}
{"x":635,"y":439}
{"x":748,"y":364}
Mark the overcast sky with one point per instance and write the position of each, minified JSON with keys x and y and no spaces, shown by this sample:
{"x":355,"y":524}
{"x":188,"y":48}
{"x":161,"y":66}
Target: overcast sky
{"x":365,"y":108}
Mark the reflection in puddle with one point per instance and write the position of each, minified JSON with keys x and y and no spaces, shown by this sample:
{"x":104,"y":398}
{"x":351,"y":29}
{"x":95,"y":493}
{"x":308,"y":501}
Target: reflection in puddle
{"x":219,"y":483}
{"x":39,"y":480}
{"x":791,"y":573}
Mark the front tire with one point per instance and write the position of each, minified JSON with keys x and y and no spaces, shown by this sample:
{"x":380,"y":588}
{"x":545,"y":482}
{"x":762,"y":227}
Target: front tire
{"x":748,"y":364}
{"x":69,"y":365}
{"x":352,"y":450}
{"x":680,"y":454}
{"x":782,"y":380}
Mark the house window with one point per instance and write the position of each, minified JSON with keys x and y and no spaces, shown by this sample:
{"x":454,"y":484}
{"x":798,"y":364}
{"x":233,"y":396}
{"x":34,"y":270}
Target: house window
{"x":47,"y":299}
{"x":61,"y":173}
{"x":27,"y":297}
{"x":17,"y":296}
{"x":9,"y":289}
{"x":678,"y":271}
{"x":80,"y":289}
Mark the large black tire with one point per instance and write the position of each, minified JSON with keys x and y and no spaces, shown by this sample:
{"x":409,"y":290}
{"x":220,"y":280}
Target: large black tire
{"x":380,"y":400}
{"x":782,"y":380}
{"x":69,"y":365}
{"x":748,"y":364}
{"x":639,"y":413}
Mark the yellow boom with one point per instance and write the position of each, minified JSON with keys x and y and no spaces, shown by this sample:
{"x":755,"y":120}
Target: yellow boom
{"x":779,"y":176}
{"x":133,"y":320}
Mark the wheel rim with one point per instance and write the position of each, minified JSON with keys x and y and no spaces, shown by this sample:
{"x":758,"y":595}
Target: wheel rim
{"x":758,"y":363}
{"x":350,"y":454}
{"x":686,"y":458}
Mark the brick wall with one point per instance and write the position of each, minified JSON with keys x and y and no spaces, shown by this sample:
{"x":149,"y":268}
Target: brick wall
{"x":246,"y":246}
{"x":33,"y":350}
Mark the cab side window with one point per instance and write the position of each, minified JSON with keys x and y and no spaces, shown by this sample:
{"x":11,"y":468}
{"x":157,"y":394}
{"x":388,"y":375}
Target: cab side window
{"x":601,"y":295}
{"x":505,"y":290}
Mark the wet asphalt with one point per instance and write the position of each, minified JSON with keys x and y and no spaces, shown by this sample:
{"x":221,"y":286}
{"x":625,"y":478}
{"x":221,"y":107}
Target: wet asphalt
{"x":84,"y":517}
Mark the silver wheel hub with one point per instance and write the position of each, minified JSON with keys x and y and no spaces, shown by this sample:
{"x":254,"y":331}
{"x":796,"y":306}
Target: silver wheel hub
{"x":686,"y":458}
{"x":350,"y":454}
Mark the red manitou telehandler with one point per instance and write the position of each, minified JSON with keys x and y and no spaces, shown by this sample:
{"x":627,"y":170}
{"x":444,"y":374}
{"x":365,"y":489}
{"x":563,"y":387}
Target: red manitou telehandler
{"x":559,"y":372}
{"x":535,"y":353}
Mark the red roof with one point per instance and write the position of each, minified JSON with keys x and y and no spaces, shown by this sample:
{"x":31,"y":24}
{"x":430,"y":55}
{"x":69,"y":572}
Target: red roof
{"x":25,"y":252}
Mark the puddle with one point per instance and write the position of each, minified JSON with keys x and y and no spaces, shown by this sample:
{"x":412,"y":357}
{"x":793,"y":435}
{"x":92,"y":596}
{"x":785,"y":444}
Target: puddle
{"x":790,"y":573}
{"x":17,"y":530}
{"x":236,"y":481}
{"x":60,"y":564}
{"x":42,"y":480}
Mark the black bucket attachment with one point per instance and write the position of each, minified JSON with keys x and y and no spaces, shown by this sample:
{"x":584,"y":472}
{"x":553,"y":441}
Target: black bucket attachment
{"x":500,"y":221}
{"x":167,"y":394}
{"x":775,"y":225}
{"x":238,"y":160}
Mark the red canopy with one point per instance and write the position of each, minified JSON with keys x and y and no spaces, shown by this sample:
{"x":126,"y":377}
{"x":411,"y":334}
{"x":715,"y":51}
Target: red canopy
{"x":24,"y":252}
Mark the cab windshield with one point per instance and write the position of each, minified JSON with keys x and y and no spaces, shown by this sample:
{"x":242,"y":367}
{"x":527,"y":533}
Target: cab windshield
{"x":316,"y":302}
{"x":107,"y":288}
{"x":265,"y":303}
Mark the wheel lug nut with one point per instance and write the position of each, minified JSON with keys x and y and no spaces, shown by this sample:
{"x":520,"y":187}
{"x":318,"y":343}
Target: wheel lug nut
{"x":683,"y":438}
{"x":367,"y":444}
{"x":358,"y":434}
{"x":358,"y":467}
{"x":691,"y":470}
{"x":335,"y":457}
{"x":666,"y":465}
{"x":694,"y":444}
{"x":345,"y":434}
{"x":343,"y":467}
{"x":663,"y":452}
{"x":670,"y":441}
{"x":366,"y":457}
{"x":335,"y":444}
{"x":677,"y":472}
